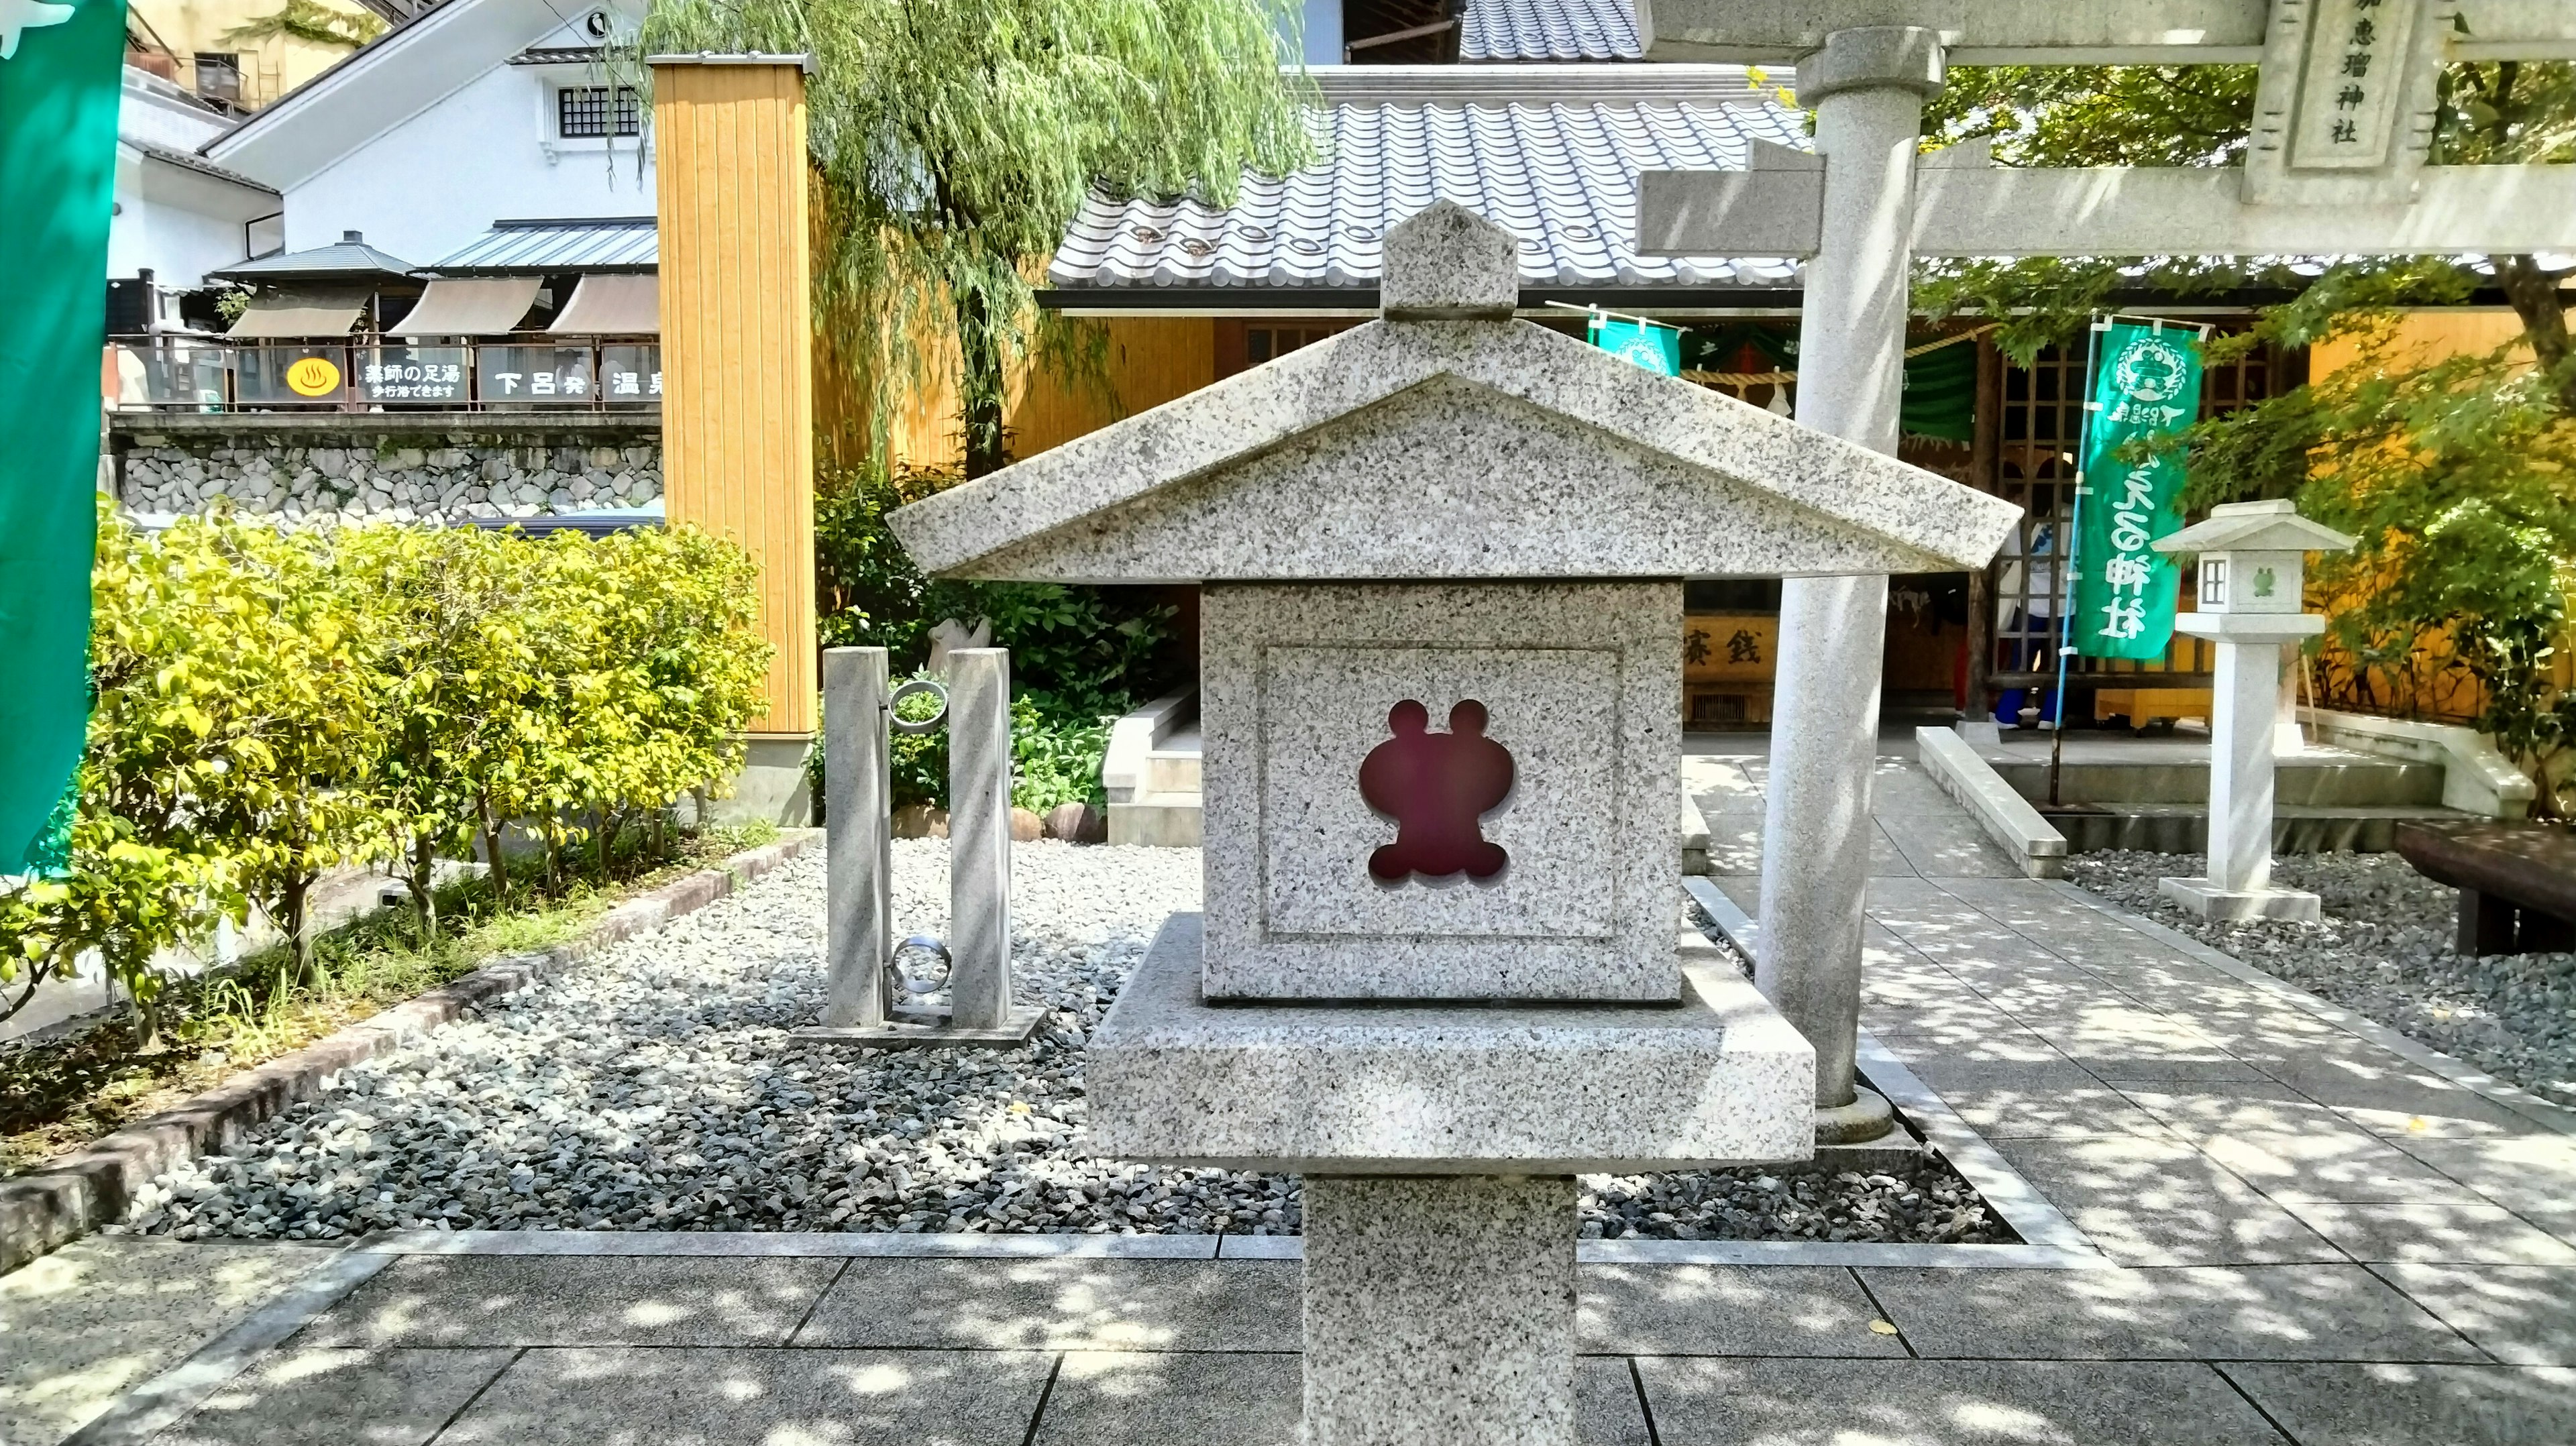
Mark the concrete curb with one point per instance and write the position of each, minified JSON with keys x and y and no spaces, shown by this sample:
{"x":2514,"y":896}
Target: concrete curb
{"x":854,"y":1245}
{"x":80,"y":1192}
{"x":2004,"y":814}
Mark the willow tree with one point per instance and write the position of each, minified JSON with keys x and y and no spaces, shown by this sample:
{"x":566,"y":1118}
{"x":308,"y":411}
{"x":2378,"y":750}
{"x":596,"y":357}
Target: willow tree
{"x":955,"y":139}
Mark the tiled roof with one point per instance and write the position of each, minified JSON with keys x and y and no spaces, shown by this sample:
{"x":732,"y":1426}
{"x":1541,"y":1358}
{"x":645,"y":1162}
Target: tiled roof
{"x":348,"y":259}
{"x":1560,"y":176}
{"x":532,"y":248}
{"x":1549,"y":30}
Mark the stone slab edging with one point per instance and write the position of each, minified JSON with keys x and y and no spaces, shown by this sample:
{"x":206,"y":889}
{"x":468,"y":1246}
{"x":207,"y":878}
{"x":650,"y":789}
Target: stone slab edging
{"x":1998,"y":808}
{"x":82,"y":1191}
{"x":2459,"y":1072}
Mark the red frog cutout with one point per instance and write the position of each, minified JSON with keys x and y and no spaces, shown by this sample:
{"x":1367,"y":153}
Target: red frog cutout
{"x":1437,"y":786}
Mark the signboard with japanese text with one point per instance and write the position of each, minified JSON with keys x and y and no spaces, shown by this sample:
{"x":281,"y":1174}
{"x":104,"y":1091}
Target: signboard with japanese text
{"x":2148,"y":387}
{"x":414,"y":374}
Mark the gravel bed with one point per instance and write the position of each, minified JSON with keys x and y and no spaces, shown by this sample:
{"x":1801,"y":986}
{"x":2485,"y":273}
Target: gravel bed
{"x":2384,"y":951}
{"x":654,"y":1088}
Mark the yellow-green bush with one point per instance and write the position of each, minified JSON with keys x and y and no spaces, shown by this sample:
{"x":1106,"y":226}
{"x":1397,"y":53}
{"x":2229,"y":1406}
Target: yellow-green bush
{"x":269,"y":706}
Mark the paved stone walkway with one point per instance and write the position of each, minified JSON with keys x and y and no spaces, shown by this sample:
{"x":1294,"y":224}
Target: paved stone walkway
{"x":2318,"y":1237}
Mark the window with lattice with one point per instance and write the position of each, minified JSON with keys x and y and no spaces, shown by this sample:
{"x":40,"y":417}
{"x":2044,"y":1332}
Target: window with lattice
{"x":589,"y":111}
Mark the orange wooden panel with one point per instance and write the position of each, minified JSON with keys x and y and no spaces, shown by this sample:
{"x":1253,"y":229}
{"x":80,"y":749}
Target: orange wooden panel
{"x":737,"y":341}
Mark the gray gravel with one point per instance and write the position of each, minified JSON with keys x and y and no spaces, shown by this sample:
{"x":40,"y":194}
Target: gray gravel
{"x":2384,"y":951}
{"x":655,"y":1088}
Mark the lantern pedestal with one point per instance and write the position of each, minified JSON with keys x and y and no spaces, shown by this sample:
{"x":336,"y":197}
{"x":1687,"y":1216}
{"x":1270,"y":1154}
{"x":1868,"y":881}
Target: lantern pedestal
{"x":2245,"y":699}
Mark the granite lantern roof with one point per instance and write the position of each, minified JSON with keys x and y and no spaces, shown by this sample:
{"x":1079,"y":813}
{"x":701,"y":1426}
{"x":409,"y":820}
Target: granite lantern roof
{"x":1549,"y":30}
{"x":1498,"y":429}
{"x":1549,"y":153}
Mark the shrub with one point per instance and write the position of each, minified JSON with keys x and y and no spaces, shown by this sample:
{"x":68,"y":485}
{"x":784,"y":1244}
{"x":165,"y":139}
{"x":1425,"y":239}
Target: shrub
{"x":268,"y":707}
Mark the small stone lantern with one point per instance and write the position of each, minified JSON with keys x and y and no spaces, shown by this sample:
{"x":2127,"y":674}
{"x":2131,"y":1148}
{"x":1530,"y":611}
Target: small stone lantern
{"x":2252,"y":601}
{"x":1442,"y":967}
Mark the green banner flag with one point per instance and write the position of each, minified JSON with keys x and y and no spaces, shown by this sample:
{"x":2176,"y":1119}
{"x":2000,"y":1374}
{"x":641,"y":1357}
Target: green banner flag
{"x":2148,"y":387}
{"x":61,"y":68}
{"x":1656,"y":348}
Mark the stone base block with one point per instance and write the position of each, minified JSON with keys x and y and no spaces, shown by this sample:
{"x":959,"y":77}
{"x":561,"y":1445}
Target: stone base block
{"x":1439,"y":1311}
{"x":772,"y":786}
{"x":906,"y":1034}
{"x":2209,"y":901}
{"x":1868,"y":1117}
{"x":1447,"y":1088}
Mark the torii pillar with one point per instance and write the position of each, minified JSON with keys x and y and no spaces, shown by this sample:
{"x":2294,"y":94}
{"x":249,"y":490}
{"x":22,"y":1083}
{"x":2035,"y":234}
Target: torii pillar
{"x":1868,"y":87}
{"x":738,"y":369}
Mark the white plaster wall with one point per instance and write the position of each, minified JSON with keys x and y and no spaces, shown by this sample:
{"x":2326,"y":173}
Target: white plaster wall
{"x":486,"y":152}
{"x":177,"y":223}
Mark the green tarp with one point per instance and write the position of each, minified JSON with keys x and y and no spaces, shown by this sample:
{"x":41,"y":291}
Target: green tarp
{"x":2146,"y":385}
{"x":60,"y":73}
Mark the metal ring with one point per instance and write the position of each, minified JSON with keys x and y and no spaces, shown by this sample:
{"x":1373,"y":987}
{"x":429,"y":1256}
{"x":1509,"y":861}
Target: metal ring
{"x":903,"y":983}
{"x":931,"y":724}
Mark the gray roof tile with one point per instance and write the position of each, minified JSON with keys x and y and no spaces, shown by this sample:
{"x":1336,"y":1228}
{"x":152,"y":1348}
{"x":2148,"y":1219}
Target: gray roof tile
{"x":1561,"y":177}
{"x":1549,"y":30}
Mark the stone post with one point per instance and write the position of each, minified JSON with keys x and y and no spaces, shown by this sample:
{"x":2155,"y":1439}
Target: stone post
{"x":859,"y":912}
{"x":1868,"y":87}
{"x":2244,"y":694}
{"x":1439,"y":1308}
{"x":979,"y":837}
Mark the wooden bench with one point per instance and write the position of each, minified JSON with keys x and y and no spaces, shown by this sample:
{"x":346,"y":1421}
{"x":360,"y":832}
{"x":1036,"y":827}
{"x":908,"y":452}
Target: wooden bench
{"x":2517,"y":882}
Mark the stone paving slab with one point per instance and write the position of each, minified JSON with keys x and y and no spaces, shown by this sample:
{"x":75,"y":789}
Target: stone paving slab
{"x":1109,"y":1398}
{"x":1946,"y":1403}
{"x":619,"y":1300}
{"x":1081,"y":1305}
{"x":2432,"y":1232}
{"x":2261,"y":1312}
{"x":2163,"y":1202}
{"x":1729,"y":1311}
{"x":80,"y":1326}
{"x":334,"y":1397}
{"x":632,"y":1396}
{"x":2346,"y":1405}
{"x":2523,"y":1315}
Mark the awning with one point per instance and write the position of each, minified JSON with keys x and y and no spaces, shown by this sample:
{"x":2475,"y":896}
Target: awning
{"x":299,"y":313}
{"x":613,"y":306}
{"x":479,"y":306}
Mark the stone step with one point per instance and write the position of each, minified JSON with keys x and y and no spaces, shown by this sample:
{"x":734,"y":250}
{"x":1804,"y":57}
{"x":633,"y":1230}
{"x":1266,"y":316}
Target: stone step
{"x":1168,"y":772}
{"x":1156,"y":820}
{"x":2183,"y":828}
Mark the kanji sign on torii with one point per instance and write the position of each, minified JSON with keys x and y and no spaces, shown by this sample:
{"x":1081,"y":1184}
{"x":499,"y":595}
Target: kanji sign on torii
{"x":2336,"y":165}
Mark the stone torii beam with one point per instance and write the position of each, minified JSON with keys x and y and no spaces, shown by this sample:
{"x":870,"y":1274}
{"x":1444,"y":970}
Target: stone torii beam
{"x":2336,"y":165}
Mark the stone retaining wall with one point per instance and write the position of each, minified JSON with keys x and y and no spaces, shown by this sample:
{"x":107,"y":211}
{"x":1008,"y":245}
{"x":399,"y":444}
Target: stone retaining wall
{"x":437,"y":478}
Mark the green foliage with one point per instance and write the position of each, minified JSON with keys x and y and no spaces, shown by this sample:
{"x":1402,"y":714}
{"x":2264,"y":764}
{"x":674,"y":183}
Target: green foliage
{"x":955,"y":139}
{"x":2459,"y":479}
{"x":268,"y":707}
{"x":311,"y":21}
{"x":1078,"y":654}
{"x":1053,"y":760}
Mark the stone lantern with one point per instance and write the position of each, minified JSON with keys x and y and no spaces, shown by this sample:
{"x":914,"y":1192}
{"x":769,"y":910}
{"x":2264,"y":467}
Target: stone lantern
{"x":1442,"y":967}
{"x":2252,"y":601}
